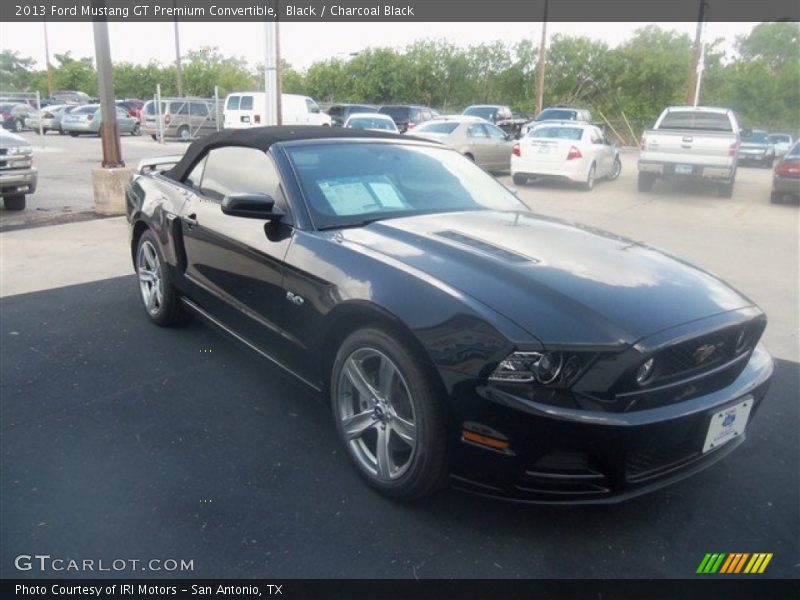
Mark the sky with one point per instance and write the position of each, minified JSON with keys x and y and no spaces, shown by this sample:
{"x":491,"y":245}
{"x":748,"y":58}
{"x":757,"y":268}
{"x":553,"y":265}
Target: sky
{"x":304,"y":43}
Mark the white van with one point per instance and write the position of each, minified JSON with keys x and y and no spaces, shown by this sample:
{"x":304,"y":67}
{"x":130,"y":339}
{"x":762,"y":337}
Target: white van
{"x":247,"y":109}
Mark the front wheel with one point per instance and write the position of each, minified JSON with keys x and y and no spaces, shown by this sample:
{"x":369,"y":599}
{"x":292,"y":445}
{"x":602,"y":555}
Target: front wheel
{"x":389,"y":415}
{"x":160,"y":298}
{"x":15,"y":202}
{"x":519,"y":179}
{"x":17,"y":126}
{"x":616,"y":169}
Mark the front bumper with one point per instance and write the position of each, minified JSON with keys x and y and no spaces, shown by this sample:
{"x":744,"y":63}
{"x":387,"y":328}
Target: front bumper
{"x":560,"y":455}
{"x":18,"y":181}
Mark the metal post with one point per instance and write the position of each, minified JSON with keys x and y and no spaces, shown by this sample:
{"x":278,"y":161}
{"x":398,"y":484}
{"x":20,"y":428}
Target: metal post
{"x":109,"y":130}
{"x":39,"y":109}
{"x":47,"y":60}
{"x":178,"y":67}
{"x":159,"y":115}
{"x":700,"y":68}
{"x":270,"y":79}
{"x":278,"y":69}
{"x":542,"y":63}
{"x":216,"y":105}
{"x":696,"y":51}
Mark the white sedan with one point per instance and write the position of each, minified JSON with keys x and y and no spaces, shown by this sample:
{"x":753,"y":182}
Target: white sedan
{"x":568,"y":151}
{"x":371,"y":122}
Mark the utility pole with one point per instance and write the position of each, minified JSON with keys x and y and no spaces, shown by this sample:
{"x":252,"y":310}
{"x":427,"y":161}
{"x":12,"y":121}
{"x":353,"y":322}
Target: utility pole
{"x":278,"y":70}
{"x":109,"y":131}
{"x":47,"y":60}
{"x":542,"y":63}
{"x":692,"y":89}
{"x":270,"y":74}
{"x":178,"y":66}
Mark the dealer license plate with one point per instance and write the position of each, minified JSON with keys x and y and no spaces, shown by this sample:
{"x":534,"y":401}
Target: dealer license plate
{"x":727,"y":424}
{"x":684,"y":169}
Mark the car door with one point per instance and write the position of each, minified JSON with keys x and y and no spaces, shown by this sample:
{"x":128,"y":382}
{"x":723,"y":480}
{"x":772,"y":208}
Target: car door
{"x":601,"y":152}
{"x":500,"y":148}
{"x":235,"y":264}
{"x":480,"y":145}
{"x":124,"y":121}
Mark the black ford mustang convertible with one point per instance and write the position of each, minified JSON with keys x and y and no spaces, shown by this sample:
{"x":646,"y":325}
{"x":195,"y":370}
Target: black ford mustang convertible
{"x":458,"y":336}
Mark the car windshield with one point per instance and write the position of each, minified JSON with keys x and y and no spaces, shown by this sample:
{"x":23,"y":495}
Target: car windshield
{"x":349,"y":184}
{"x":795,"y":151}
{"x":396,"y":112}
{"x":444,"y":127}
{"x":563,"y":133}
{"x":372,"y":123}
{"x":701,"y":121}
{"x":756,"y":137}
{"x":780,"y":138}
{"x":484,"y":112}
{"x":556,"y":114}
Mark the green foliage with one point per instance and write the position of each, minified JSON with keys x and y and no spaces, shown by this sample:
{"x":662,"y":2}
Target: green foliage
{"x":761,"y":81}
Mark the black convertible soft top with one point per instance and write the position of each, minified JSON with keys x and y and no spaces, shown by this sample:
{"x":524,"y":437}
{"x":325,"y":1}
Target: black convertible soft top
{"x":262,"y":138}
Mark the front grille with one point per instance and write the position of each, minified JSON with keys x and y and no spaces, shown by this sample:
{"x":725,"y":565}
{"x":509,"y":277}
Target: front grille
{"x":652,"y":462}
{"x":697,"y":355}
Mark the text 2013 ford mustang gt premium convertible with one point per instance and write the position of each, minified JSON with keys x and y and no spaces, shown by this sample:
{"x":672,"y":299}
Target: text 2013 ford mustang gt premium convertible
{"x":459,"y":336}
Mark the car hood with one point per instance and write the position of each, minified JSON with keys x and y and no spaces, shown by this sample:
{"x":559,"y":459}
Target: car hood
{"x":11,"y":139}
{"x":755,"y":145}
{"x":561,"y":282}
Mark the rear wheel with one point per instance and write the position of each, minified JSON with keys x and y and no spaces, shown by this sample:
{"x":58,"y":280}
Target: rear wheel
{"x":73,"y":133}
{"x":159,"y":296}
{"x":137,"y":129}
{"x":15,"y":202}
{"x":588,"y":185}
{"x":389,"y":415}
{"x":519,"y":179}
{"x":646,"y":181}
{"x":725,"y":190}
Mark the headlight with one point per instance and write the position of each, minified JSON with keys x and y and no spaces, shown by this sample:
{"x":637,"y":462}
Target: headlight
{"x":559,"y":369}
{"x":645,"y":371}
{"x":20,"y":150}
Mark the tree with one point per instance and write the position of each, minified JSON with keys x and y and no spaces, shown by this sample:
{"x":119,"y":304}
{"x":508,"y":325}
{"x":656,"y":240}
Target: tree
{"x":16,"y":72}
{"x":74,"y":74}
{"x":775,"y":43}
{"x":206,"y":67}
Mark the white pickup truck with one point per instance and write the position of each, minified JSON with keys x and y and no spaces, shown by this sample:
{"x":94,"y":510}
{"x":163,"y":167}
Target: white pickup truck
{"x":691,"y":142}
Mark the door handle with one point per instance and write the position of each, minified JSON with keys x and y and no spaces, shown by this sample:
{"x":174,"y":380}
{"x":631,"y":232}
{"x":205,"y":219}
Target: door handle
{"x":190,"y":220}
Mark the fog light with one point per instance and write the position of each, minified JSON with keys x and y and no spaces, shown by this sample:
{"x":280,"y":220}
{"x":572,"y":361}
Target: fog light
{"x":644,"y":371}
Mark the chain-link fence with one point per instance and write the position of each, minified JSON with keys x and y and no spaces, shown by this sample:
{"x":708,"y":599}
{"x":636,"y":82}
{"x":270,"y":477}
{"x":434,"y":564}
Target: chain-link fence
{"x":182,"y":118}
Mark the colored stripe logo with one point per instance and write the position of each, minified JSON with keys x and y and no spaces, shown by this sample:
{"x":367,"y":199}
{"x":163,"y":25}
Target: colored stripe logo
{"x":734,"y":562}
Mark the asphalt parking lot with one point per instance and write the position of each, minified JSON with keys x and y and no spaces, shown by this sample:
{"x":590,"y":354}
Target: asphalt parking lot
{"x":124,"y":440}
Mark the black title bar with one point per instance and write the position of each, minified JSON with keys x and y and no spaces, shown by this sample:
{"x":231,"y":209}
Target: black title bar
{"x":398,"y":11}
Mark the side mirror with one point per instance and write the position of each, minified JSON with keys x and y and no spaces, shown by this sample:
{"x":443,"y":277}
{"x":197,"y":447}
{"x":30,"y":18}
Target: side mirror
{"x":251,"y":206}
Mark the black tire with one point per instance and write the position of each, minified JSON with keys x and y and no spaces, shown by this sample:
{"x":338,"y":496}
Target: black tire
{"x":154,"y":136}
{"x":184,"y":133}
{"x":15,"y":202}
{"x":137,"y":130}
{"x":646,"y":181}
{"x":17,"y":126}
{"x":169,"y":310}
{"x":520,"y":179}
{"x":776,"y":198}
{"x":616,"y":170}
{"x":588,"y":185}
{"x":73,"y":133}
{"x":426,"y":468}
{"x":469,"y":156}
{"x":725,"y":190}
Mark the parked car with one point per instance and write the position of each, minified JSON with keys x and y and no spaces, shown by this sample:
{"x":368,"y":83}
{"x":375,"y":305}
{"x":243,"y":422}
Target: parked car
{"x":248,"y":109}
{"x":782,"y":142}
{"x":691,"y":142}
{"x":184,"y":118}
{"x":558,"y":113}
{"x":756,"y":147}
{"x":14,"y":114}
{"x":407,"y":116}
{"x":18,"y":176}
{"x":458,"y":336}
{"x":568,"y":151}
{"x":499,"y":115}
{"x":71,"y":97}
{"x":339,"y":113}
{"x":50,"y":118}
{"x":786,"y":177}
{"x":480,"y":141}
{"x":132,"y":106}
{"x":87,"y":119}
{"x":371,"y":121}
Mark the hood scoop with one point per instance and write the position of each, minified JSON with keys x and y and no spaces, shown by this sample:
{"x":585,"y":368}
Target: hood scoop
{"x":485,"y":247}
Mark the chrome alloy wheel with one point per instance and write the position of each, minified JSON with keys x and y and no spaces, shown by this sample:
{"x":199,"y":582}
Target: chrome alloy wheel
{"x":376,"y":414}
{"x":151,"y":283}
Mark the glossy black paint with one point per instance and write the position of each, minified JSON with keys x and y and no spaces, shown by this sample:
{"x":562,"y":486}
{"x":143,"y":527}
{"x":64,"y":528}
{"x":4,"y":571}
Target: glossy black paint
{"x":465,"y":290}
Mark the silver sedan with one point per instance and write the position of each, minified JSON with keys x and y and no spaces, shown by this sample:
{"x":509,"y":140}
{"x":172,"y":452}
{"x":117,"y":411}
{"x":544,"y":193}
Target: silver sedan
{"x":477,"y":139}
{"x":87,"y":119}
